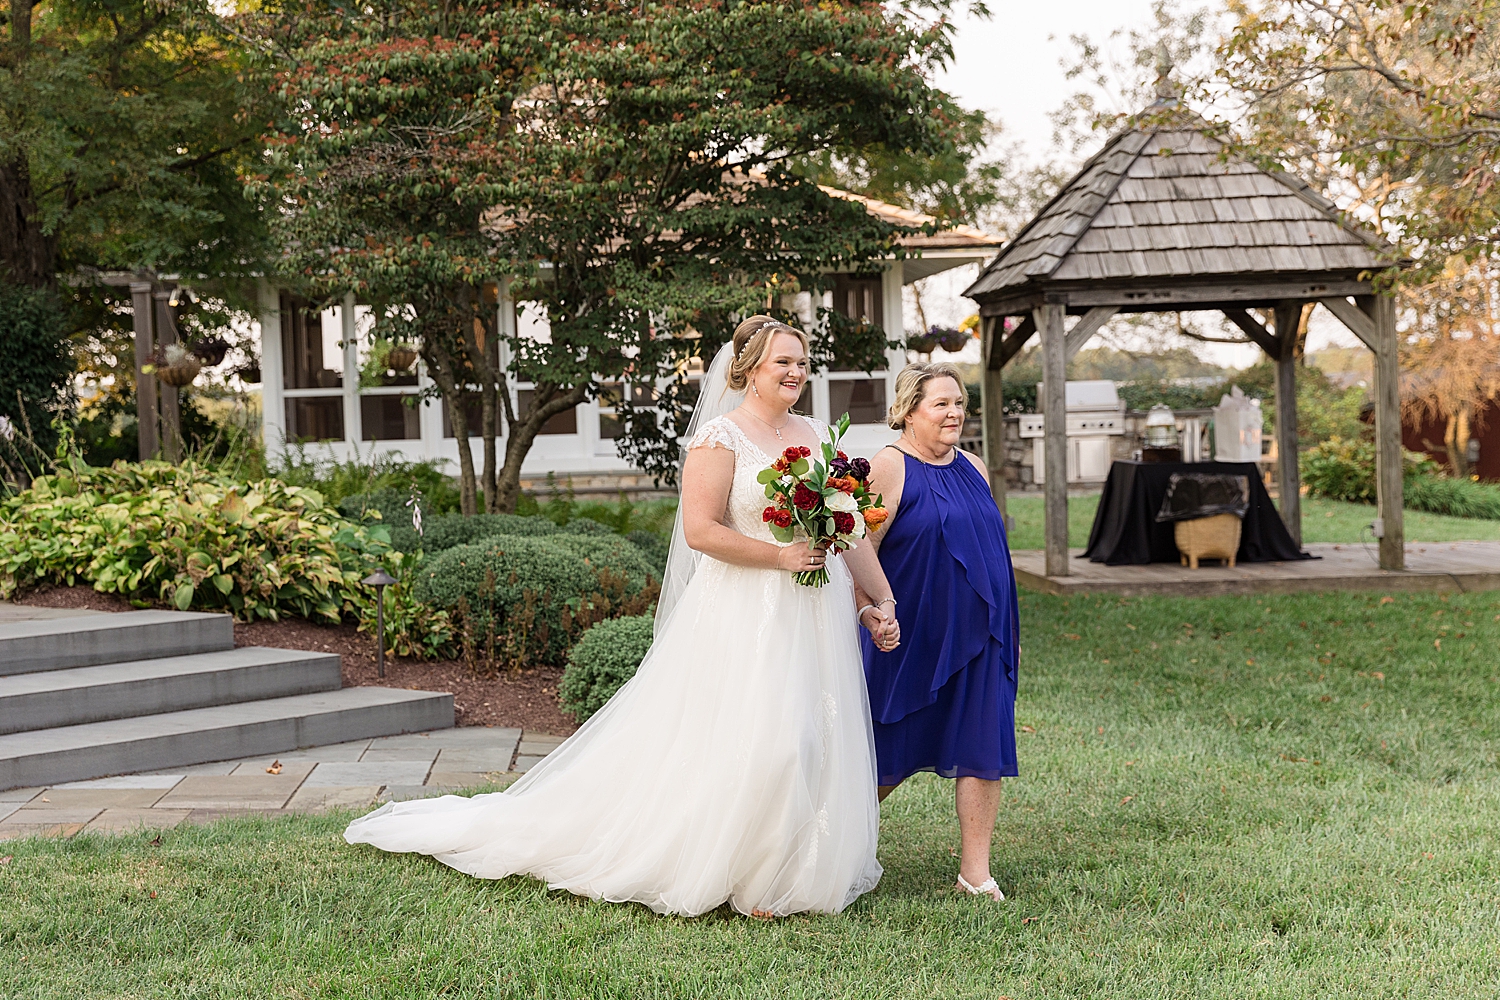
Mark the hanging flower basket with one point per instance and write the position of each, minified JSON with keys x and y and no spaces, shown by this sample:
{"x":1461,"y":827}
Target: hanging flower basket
{"x":173,"y":364}
{"x":401,"y":358}
{"x":922,"y":343}
{"x":952,"y":341}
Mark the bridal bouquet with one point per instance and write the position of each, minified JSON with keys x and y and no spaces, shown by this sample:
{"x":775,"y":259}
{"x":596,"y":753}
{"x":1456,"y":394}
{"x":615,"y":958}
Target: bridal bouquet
{"x":828,"y":501}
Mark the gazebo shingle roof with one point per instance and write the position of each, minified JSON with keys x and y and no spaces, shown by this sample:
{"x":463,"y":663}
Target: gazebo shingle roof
{"x":1162,"y":203}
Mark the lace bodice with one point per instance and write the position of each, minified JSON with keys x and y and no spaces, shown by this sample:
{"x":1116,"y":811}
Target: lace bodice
{"x":747,"y":498}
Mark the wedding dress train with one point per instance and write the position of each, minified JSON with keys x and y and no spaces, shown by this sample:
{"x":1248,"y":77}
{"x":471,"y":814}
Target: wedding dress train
{"x":736,"y":766}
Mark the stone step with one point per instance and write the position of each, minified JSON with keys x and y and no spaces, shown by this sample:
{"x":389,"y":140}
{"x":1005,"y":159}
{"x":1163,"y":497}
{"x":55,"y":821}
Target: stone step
{"x":78,"y":695}
{"x":87,"y":640}
{"x":223,"y":732}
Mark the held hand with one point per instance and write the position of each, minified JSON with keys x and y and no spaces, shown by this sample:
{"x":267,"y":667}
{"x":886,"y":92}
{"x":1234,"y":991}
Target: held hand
{"x":884,"y":629}
{"x":800,"y":559}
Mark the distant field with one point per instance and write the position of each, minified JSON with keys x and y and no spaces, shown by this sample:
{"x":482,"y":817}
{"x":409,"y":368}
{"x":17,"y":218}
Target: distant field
{"x":1322,"y":521}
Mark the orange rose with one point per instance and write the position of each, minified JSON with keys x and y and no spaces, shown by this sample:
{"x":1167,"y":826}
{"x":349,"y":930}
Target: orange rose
{"x":875,"y":517}
{"x":844,"y":485}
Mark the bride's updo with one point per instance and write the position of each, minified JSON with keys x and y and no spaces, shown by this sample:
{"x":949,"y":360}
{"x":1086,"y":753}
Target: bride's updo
{"x":752,"y":344}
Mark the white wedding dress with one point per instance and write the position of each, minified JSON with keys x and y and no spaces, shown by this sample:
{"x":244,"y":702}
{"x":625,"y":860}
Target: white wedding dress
{"x":737,"y":766}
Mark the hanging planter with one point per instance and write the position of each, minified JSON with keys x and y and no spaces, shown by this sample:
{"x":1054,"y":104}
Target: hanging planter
{"x":922,"y":343}
{"x":951,"y":341}
{"x":173,"y":364}
{"x":401,"y":358}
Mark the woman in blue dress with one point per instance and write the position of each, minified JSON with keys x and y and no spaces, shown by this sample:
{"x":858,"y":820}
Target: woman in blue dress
{"x":943,"y":699}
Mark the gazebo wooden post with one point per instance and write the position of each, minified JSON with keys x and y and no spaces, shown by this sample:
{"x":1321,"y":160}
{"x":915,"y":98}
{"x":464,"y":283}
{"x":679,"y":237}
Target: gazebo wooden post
{"x":1049,"y":323}
{"x":1288,"y":318}
{"x":1389,"y":490}
{"x":992,"y":409}
{"x":171,"y":414}
{"x":145,"y":385}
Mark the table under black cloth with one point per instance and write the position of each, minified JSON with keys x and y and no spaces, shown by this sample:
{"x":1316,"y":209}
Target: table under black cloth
{"x":1126,"y":530}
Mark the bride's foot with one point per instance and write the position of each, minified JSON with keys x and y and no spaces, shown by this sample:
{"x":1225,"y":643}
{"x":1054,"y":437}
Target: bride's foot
{"x":762,"y":915}
{"x":986,"y":888}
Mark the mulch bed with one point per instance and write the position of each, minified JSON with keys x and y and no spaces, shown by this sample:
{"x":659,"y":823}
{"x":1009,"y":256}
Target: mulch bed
{"x":527,"y":700}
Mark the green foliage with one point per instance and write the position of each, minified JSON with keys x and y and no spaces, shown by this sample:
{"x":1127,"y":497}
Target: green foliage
{"x":35,"y":368}
{"x":603,"y":660}
{"x":509,"y":593}
{"x":448,"y":530}
{"x":123,"y":127}
{"x":1454,"y":497}
{"x":653,"y":549}
{"x":1345,"y":470}
{"x":610,"y":556}
{"x":190,"y":537}
{"x":338,"y":481}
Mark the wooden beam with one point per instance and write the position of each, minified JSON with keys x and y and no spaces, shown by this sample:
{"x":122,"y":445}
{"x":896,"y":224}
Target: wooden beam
{"x":1049,"y":321}
{"x":1147,"y":298}
{"x":1010,"y":346}
{"x":171,"y":415}
{"x":145,"y":385}
{"x":1352,"y":317}
{"x":1252,"y":329}
{"x":992,"y":413}
{"x":1288,"y":318}
{"x":1086,"y":328}
{"x":1381,"y":310}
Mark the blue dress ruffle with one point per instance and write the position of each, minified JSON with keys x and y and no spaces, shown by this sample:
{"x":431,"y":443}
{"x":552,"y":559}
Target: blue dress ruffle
{"x":944,"y":700}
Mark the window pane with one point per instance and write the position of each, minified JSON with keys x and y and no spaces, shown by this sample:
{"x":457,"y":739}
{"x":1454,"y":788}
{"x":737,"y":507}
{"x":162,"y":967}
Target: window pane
{"x":320,"y":418}
{"x":308,"y":359}
{"x":565,"y":422}
{"x":389,"y":418}
{"x":862,"y":398}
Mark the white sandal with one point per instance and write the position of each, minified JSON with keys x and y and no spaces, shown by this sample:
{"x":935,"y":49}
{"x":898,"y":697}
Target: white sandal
{"x":986,"y":889}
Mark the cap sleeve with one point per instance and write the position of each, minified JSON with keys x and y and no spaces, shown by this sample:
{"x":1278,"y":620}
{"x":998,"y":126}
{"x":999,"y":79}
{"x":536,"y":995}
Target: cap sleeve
{"x":717,"y":433}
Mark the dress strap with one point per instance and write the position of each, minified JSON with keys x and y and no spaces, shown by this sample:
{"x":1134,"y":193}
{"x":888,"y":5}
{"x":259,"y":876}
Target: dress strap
{"x":717,"y":433}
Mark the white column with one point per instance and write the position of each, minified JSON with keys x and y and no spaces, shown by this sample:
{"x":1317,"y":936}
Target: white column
{"x":895,"y":322}
{"x":349,"y":333}
{"x":272,"y":403}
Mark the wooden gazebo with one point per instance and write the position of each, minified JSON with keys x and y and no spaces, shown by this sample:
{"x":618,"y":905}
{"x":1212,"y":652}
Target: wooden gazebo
{"x":1162,"y":220}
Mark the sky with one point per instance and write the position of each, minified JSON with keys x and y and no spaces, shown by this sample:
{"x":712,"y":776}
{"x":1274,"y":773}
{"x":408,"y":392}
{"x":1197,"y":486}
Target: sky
{"x":1011,"y":67}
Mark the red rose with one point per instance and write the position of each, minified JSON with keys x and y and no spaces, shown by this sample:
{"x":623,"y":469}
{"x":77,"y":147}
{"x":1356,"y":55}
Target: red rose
{"x":843,"y":456}
{"x":768,"y":513}
{"x":783,"y":519}
{"x":843,"y":522}
{"x":804,"y":451}
{"x":794,"y":453}
{"x":804,"y":498}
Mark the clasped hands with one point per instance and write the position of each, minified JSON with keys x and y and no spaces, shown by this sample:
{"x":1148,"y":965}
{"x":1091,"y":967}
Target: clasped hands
{"x":884,"y":629}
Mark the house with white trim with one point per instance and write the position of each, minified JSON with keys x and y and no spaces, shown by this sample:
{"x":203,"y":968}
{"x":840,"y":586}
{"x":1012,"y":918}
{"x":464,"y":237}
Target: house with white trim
{"x":314,"y":394}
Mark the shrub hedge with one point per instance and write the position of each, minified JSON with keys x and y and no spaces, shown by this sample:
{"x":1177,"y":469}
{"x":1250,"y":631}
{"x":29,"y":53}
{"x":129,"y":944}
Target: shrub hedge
{"x":653,"y":549}
{"x":610,"y":556}
{"x":605,"y":658}
{"x":1343,"y":469}
{"x":511,"y":595}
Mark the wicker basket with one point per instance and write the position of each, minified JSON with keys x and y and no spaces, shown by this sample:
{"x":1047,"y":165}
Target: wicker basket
{"x":180,"y":374}
{"x":1216,"y":537}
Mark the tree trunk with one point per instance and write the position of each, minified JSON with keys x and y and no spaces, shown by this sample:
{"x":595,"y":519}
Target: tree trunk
{"x":444,"y":372}
{"x":482,"y":345}
{"x":1456,"y":440}
{"x":547,"y":402}
{"x":28,"y":256}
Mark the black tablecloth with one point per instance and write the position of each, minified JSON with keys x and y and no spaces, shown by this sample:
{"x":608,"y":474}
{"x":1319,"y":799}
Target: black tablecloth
{"x":1126,"y":530}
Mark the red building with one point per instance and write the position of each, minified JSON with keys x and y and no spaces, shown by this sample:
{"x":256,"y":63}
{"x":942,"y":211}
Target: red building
{"x":1484,"y":442}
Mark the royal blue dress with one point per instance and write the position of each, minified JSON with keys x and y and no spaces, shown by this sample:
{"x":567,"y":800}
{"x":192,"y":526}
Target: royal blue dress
{"x":945,"y":699}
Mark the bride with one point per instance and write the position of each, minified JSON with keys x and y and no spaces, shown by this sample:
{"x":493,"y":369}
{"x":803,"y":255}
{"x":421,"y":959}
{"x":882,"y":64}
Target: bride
{"x":738,"y":764}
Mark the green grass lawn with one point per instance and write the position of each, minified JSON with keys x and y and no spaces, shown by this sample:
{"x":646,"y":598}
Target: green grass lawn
{"x":1322,"y":521}
{"x":1220,"y":798}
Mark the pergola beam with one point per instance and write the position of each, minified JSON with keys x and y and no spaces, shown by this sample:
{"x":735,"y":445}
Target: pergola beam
{"x":1263,"y":338}
{"x":1086,"y":327}
{"x":1352,"y":317}
{"x":145,"y":385}
{"x":1003,"y":349}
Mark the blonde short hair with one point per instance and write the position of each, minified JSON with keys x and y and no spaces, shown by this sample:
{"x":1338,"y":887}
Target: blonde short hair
{"x":911,"y":386}
{"x":752,"y":345}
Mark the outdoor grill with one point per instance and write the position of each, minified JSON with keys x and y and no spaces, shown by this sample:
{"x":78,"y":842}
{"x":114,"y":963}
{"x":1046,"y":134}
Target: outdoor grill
{"x":1095,"y":414}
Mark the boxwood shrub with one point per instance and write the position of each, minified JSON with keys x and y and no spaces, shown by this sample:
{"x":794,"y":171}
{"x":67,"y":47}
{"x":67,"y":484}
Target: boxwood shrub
{"x":447,"y":530}
{"x":653,"y":548}
{"x":511,"y":595}
{"x":605,"y":658}
{"x":613,"y":557}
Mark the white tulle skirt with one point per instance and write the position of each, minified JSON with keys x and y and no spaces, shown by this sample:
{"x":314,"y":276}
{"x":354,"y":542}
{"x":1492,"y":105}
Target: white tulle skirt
{"x":737,"y":766}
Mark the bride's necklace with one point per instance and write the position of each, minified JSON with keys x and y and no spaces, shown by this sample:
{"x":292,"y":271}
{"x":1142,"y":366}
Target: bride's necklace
{"x":774,"y":429}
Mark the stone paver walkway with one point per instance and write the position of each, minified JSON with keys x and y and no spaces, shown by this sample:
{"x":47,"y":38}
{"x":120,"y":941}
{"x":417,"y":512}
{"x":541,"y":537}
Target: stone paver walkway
{"x":355,"y":775}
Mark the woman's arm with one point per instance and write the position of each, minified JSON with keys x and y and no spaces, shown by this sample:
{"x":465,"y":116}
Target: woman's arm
{"x":887,"y":477}
{"x":707,"y":478}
